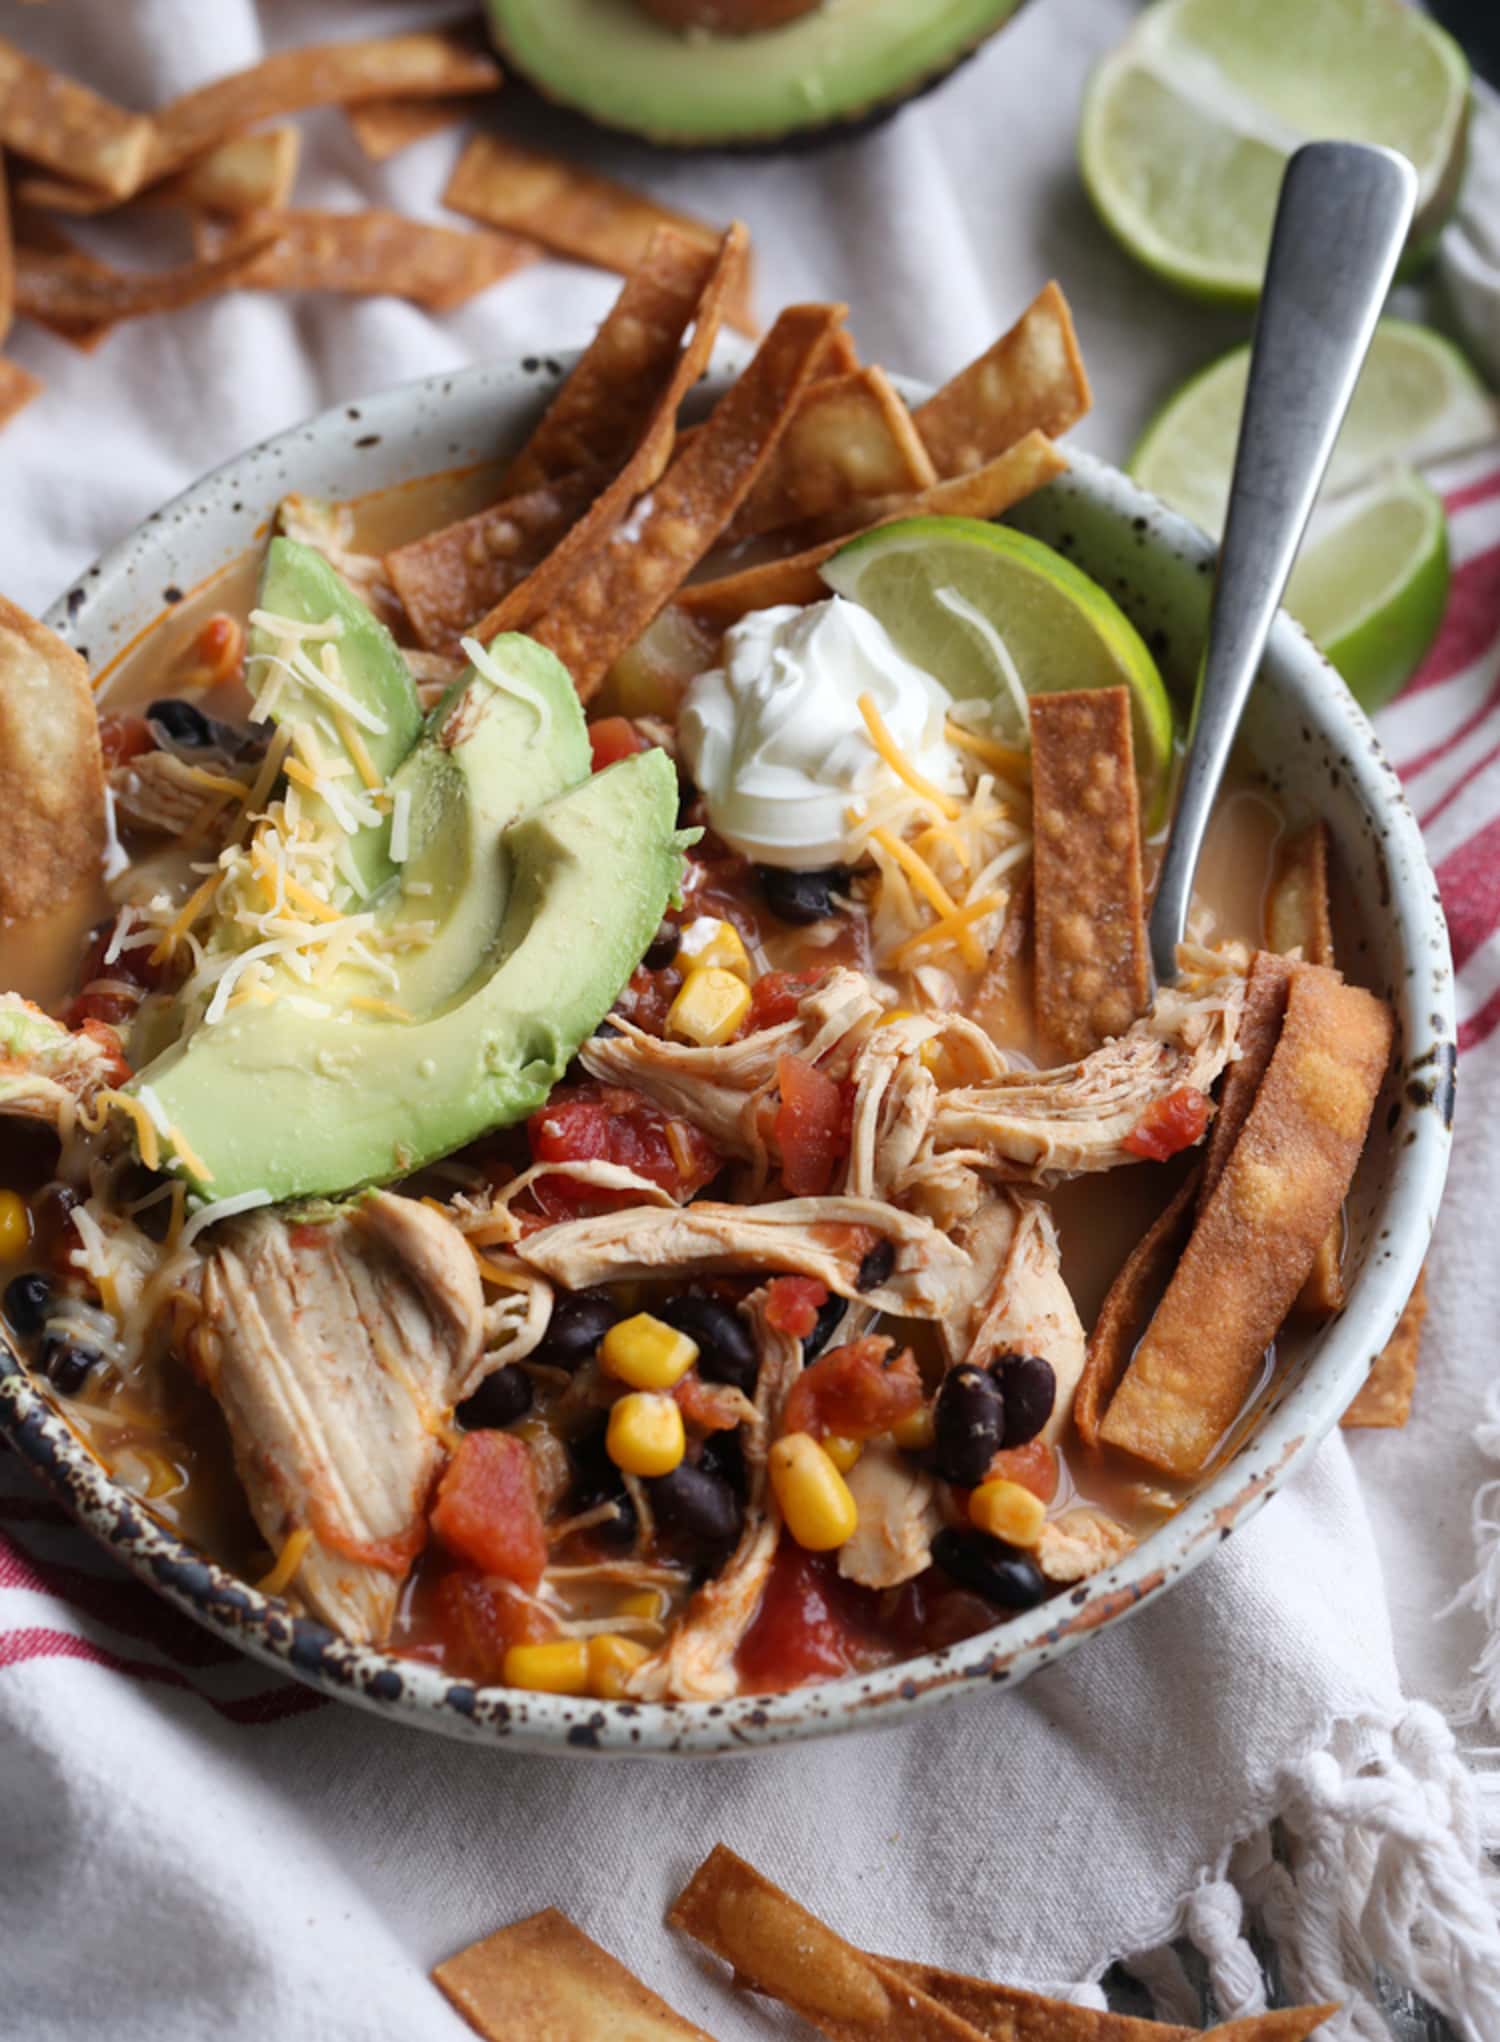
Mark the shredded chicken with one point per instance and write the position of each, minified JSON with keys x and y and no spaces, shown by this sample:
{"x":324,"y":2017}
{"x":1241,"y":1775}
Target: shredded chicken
{"x":517,"y":1317}
{"x":1050,"y":1124}
{"x":826,"y":1238}
{"x":898,"y":1515}
{"x":697,"y":1661}
{"x":46,"y":1070}
{"x":166,"y":795}
{"x":1080,"y":1542}
{"x":337,"y":1347}
{"x":895,"y":1098}
{"x":1016,"y":1300}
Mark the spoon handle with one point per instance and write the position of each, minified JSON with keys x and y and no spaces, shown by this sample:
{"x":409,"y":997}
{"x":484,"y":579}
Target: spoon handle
{"x":1341,"y":223}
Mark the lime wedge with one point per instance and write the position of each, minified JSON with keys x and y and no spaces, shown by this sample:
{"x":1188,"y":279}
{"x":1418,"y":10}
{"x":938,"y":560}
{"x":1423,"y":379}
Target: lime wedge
{"x":1370,"y":584}
{"x":996,"y":616}
{"x":1187,"y":126}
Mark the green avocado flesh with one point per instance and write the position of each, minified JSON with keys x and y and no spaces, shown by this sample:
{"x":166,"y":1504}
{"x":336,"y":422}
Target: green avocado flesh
{"x":295,"y":1105}
{"x":298,"y":583}
{"x":610,"y":60}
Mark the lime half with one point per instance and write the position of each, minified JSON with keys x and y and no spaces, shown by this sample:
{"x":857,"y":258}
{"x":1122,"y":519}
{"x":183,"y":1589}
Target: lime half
{"x":1188,"y":125}
{"x":1373,"y":574}
{"x":997,"y":616}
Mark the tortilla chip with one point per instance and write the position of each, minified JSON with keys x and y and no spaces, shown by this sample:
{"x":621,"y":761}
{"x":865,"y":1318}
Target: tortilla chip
{"x":371,"y":254}
{"x":851,"y":439}
{"x":1093,"y":974}
{"x":594,"y":421}
{"x":52,"y":826}
{"x":17,"y":388}
{"x":1284,"y":2024}
{"x":36,"y":231}
{"x":1031,"y":380}
{"x":1299,"y":916}
{"x":245,"y":175}
{"x":1006,"y":2014}
{"x":1255,"y":1042}
{"x":544,"y":1978}
{"x":623,"y":583}
{"x":1384,"y":1397}
{"x":1127,"y":1305}
{"x":384,"y":127}
{"x":71,"y":290}
{"x":50,"y":119}
{"x":983,"y":494}
{"x":458,"y":573}
{"x":433,"y":65}
{"x":1257,"y":1231}
{"x":571,"y":210}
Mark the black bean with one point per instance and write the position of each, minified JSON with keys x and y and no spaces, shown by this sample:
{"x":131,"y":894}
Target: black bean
{"x":801,"y":896}
{"x":969,"y":1425}
{"x":500,"y":1400}
{"x":599,"y":1481}
{"x":1000,"y":1573}
{"x":830,"y":1317}
{"x":580,"y":1320}
{"x":26,"y":1301}
{"x":663,"y":947}
{"x":726,"y":1347}
{"x":181,"y":722}
{"x":723,"y":1454}
{"x":1028,"y":1386}
{"x":66,"y":1362}
{"x":876,"y":1266}
{"x":696,"y":1508}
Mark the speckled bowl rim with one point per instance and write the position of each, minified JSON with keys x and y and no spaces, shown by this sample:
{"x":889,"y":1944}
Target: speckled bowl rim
{"x":394,"y":436}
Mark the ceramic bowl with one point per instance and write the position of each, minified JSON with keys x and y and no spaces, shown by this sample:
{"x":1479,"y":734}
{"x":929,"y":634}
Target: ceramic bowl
{"x":1318,"y":752}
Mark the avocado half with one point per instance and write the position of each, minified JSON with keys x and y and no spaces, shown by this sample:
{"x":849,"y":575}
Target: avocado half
{"x":847,"y":60}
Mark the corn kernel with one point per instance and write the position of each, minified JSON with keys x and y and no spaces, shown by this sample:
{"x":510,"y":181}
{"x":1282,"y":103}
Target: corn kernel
{"x":710,"y":1006}
{"x":647,"y":1353}
{"x":708,"y":944}
{"x":895,"y":1014}
{"x":841,"y":1451}
{"x":612,"y":1660}
{"x":15,"y":1226}
{"x":645,"y":1435}
{"x":934,"y":1056}
{"x":916,"y":1432}
{"x":560,"y":1667}
{"x":814,"y":1497}
{"x":1009,"y":1511}
{"x":643,"y":1602}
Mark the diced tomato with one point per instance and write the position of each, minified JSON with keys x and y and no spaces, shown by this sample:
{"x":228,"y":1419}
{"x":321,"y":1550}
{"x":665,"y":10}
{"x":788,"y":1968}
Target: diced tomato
{"x":487,"y":1511}
{"x":929,"y":1613}
{"x":614,"y":738}
{"x":1034,"y":1466}
{"x":132,"y":968}
{"x":793,"y":1304}
{"x":647,"y":1000}
{"x":218,"y":650}
{"x":856,"y":1390}
{"x":124,"y":737}
{"x":475,"y":1617}
{"x":1169,"y":1125}
{"x":810,"y":1626}
{"x":811,"y":1128}
{"x":117,"y":1068}
{"x":775,"y":996}
{"x":710,"y":1407}
{"x":614,"y":1124}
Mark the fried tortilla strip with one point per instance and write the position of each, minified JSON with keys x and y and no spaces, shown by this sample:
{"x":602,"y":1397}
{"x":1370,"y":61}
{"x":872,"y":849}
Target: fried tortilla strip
{"x":1299,"y":916}
{"x":52,"y":825}
{"x":50,"y":119}
{"x":1006,"y":2014}
{"x":17,"y":388}
{"x":75,"y":291}
{"x":983,"y":494}
{"x":588,"y":539}
{"x":572,"y":211}
{"x":543,"y":1977}
{"x":1127,"y":1304}
{"x":777,"y":1948}
{"x":622,"y":584}
{"x":1284,"y":2024}
{"x":1384,"y":1397}
{"x":384,"y":127}
{"x":246,"y":175}
{"x":1031,"y":380}
{"x":36,"y":231}
{"x":456,"y":574}
{"x":1256,"y":1235}
{"x":1093,"y":977}
{"x":1261,"y":1020}
{"x":374,"y":253}
{"x":851,"y":439}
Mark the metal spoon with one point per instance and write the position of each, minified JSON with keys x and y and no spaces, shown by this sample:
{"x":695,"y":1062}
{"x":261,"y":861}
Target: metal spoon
{"x":1341,"y":223}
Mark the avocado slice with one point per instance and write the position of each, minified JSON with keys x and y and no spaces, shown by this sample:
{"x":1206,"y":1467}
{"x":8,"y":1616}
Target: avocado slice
{"x":301,"y":1105}
{"x":487,"y":752}
{"x":614,"y":62}
{"x":298,"y":584}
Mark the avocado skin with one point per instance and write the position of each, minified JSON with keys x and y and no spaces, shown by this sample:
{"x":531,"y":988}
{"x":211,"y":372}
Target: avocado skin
{"x":793,"y":138}
{"x":299,"y":1107}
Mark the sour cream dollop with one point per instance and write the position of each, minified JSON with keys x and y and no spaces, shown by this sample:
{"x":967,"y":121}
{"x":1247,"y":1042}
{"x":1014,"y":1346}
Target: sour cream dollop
{"x":775,"y":740}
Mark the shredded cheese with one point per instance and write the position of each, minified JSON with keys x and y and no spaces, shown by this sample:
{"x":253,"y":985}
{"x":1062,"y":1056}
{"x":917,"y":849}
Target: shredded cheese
{"x":918,"y":871}
{"x":288,"y":1561}
{"x":1007,"y":759}
{"x":901,"y":766}
{"x":509,"y":684}
{"x":189,"y":912}
{"x":222,"y":1209}
{"x":951,"y":930}
{"x":369,"y":1005}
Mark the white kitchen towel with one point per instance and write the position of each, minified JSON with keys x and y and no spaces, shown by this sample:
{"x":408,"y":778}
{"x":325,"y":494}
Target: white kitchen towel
{"x":189,"y":1845}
